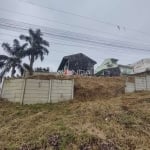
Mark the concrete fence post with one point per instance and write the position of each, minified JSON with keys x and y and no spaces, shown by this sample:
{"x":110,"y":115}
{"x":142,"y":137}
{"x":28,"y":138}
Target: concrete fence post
{"x":135,"y":84}
{"x":2,"y":92}
{"x":49,"y":91}
{"x":146,"y":82}
{"x":72,"y":89}
{"x":23,"y":91}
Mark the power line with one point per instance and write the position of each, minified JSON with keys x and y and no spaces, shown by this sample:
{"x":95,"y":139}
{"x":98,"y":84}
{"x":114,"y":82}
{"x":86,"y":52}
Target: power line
{"x":83,"y":46}
{"x":70,"y":13}
{"x":105,"y":44}
{"x":9,"y":35}
{"x":66,"y":24}
{"x":29,"y":25}
{"x":63,"y":34}
{"x":71,"y":25}
{"x":80,"y":46}
{"x":72,"y":45}
{"x":86,"y":17}
{"x":58,"y":43}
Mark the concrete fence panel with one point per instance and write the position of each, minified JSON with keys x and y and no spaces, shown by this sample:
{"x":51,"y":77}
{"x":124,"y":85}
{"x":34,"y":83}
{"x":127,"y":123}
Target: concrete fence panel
{"x":61,"y":90}
{"x":148,"y":82}
{"x":130,"y":87}
{"x":32,"y":91}
{"x":140,"y":84}
{"x":12,"y":90}
{"x":36,"y":91}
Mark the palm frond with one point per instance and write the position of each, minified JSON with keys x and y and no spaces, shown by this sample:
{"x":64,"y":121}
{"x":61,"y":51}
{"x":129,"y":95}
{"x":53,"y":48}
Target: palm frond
{"x":21,"y":52}
{"x":37,"y":47}
{"x":38,"y":33}
{"x":8,"y":49}
{"x":16,"y":43}
{"x":45,"y":50}
{"x":3,"y":57}
{"x":42,"y":57}
{"x":31,"y":33}
{"x":45,"y":43}
{"x":4,"y":71}
{"x":21,"y":69}
{"x":26,"y":67}
{"x":2,"y":64}
{"x":24,"y":37}
{"x":24,"y":46}
{"x":14,"y":59}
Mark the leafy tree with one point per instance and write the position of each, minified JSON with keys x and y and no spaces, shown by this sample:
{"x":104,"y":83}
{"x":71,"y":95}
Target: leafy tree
{"x":13,"y":59}
{"x":37,"y":48}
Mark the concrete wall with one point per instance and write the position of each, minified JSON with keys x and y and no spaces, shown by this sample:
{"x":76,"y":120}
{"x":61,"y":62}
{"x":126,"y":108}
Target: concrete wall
{"x":141,"y":66}
{"x":140,"y":84}
{"x":32,"y":91}
{"x":130,"y":87}
{"x":12,"y":90}
{"x":148,"y":82}
{"x":26,"y":74}
{"x":0,"y":91}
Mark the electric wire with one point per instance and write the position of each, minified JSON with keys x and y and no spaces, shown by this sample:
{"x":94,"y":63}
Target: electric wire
{"x":73,"y":36}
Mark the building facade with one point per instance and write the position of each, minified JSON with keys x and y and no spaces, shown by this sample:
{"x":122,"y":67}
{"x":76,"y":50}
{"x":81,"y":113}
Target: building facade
{"x":141,"y":66}
{"x":77,"y":64}
{"x":110,"y":67}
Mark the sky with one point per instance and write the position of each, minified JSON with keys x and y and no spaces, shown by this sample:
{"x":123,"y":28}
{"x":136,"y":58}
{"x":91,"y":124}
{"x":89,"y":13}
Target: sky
{"x":120,"y":20}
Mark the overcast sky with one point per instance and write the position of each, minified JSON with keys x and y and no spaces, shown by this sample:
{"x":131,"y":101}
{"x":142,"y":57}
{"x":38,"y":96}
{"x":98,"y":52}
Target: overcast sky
{"x":131,"y":16}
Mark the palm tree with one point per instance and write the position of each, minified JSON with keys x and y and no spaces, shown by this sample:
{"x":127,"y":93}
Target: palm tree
{"x":13,"y":59}
{"x":37,"y":47}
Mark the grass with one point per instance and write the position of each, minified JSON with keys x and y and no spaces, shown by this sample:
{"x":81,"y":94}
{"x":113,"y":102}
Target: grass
{"x":118,"y":123}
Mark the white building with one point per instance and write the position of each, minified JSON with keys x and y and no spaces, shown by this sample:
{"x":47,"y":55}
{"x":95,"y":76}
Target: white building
{"x":141,"y":66}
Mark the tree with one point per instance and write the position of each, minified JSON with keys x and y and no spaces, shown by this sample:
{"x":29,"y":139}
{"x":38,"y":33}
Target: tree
{"x":13,"y":59}
{"x":37,"y":47}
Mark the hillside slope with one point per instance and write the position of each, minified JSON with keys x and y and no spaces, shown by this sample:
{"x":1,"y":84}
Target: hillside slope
{"x":120,"y":123}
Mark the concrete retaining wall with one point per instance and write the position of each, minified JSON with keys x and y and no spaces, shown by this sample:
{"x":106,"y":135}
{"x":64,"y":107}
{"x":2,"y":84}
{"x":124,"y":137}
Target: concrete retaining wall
{"x":32,"y":91}
{"x":148,"y":82}
{"x":12,"y":90}
{"x":140,"y":84}
{"x":130,"y":87}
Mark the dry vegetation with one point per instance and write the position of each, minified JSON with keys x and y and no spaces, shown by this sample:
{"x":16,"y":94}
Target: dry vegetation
{"x":102,"y":122}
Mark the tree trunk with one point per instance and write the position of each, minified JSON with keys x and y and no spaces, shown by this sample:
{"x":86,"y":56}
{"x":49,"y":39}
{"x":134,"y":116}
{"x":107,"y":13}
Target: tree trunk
{"x":31,"y":65}
{"x":13,"y":71}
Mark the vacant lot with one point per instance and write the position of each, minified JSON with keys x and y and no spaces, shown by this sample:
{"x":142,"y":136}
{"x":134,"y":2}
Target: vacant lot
{"x":121,"y":123}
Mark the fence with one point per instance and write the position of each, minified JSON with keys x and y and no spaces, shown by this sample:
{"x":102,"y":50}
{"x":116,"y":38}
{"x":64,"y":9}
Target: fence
{"x":32,"y":91}
{"x":139,"y":84}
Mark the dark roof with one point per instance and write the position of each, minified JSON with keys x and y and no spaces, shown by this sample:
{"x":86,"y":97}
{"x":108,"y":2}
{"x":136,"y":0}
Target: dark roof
{"x":125,"y":66}
{"x":113,"y":59}
{"x":69,"y":57}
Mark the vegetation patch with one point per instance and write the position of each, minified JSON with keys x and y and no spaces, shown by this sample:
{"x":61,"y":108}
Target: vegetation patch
{"x":120,"y":123}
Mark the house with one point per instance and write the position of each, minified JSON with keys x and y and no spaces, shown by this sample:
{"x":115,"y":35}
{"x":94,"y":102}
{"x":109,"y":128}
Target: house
{"x":141,"y":66}
{"x":77,"y":64}
{"x":126,"y":69}
{"x":110,"y":67}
